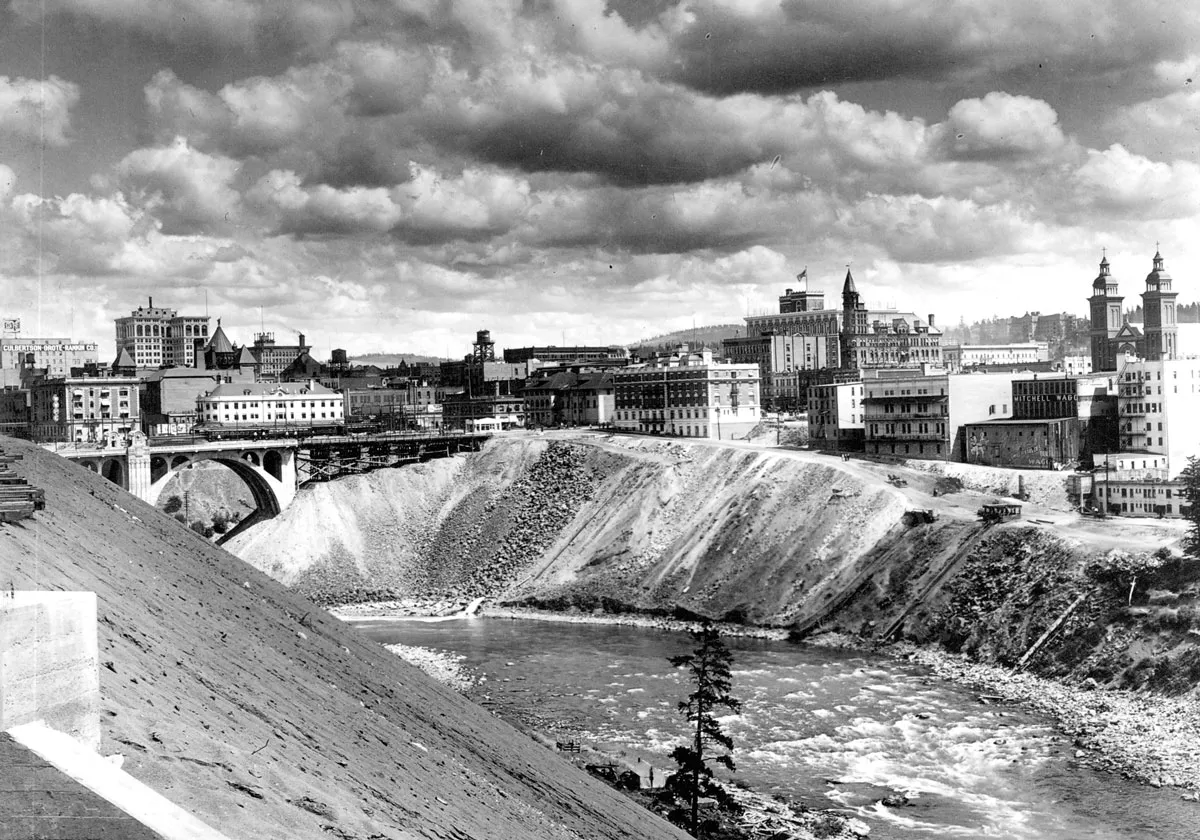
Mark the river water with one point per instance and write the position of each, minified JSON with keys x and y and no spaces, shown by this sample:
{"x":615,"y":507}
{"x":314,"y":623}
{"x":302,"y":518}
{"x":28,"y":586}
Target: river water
{"x":832,"y":729}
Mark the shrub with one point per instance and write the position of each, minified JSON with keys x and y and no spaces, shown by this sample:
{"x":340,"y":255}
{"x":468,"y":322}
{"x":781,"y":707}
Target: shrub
{"x":174,"y":503}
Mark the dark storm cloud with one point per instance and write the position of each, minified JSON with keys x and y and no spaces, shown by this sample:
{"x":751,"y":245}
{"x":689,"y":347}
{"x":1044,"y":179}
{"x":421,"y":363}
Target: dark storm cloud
{"x":799,"y":44}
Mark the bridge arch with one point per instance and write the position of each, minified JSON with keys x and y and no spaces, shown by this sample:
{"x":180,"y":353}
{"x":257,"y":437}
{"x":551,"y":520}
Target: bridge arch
{"x":271,"y":489}
{"x":273,"y":464}
{"x":265,"y":497}
{"x":114,"y":470}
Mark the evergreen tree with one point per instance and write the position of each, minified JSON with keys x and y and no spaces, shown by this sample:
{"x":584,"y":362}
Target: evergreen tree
{"x":708,"y":669}
{"x":1191,"y":493}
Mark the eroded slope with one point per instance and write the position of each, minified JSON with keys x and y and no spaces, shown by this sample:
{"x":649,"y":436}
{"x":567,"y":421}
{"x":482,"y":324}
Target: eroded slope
{"x":243,"y":702}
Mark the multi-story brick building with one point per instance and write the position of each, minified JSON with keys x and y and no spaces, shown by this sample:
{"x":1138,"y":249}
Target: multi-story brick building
{"x":802,"y":312}
{"x":1058,"y":421}
{"x":885,"y":338}
{"x":273,"y":359}
{"x":569,"y":396}
{"x":401,"y":405}
{"x":590,"y":401}
{"x":99,"y":410}
{"x":169,"y":396}
{"x":688,"y":394}
{"x":836,"y":416}
{"x":1158,"y":403}
{"x":54,"y":357}
{"x":855,"y":337}
{"x":925,"y":416}
{"x":780,"y":357}
{"x":160,"y":337}
{"x":1159,"y":409}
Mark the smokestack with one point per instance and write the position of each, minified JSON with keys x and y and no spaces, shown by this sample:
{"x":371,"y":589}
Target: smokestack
{"x":301,"y":339}
{"x":151,"y":302}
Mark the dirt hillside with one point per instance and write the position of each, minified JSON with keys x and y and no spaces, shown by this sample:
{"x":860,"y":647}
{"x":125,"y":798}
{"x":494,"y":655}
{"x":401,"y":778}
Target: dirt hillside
{"x":643,"y":523}
{"x":753,"y":535}
{"x":246,"y":704}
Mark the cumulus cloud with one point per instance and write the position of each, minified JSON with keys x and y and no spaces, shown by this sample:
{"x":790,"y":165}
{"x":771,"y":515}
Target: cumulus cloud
{"x":428,"y":208}
{"x":505,"y":163}
{"x":186,"y":189}
{"x":78,"y":233}
{"x":1165,"y":127}
{"x":1000,"y":126}
{"x":37,"y":111}
{"x":919,"y":230}
{"x":1119,"y":183}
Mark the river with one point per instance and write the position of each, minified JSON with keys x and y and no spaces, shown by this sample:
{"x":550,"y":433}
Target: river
{"x":832,"y":729}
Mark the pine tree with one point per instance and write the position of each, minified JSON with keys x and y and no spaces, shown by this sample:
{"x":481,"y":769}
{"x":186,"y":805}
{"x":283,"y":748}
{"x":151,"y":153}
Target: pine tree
{"x":708,"y":667}
{"x":1191,"y":493}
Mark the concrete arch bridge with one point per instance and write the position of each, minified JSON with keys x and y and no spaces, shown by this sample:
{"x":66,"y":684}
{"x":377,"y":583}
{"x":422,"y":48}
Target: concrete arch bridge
{"x":273,"y":470}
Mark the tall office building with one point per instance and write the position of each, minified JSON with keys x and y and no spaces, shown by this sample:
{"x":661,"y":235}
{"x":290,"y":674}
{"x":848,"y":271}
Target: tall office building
{"x":159,"y":337}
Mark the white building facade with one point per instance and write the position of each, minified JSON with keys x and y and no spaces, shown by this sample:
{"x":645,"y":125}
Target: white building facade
{"x":1158,"y":405}
{"x":265,"y":404}
{"x":688,"y":394}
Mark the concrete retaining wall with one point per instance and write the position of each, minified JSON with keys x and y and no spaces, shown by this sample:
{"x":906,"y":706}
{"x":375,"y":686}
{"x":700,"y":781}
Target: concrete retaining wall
{"x":48,"y":663}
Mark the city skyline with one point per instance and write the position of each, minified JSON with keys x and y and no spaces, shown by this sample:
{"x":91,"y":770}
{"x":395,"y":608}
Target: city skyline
{"x":390,"y":177}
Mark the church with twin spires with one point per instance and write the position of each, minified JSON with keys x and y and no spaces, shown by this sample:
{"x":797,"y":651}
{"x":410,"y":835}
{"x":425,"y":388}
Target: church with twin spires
{"x":1113,"y":337}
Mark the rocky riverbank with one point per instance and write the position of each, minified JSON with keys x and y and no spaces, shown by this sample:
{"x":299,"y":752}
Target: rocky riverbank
{"x":1148,"y":738}
{"x":1151,"y":739}
{"x":446,"y":668}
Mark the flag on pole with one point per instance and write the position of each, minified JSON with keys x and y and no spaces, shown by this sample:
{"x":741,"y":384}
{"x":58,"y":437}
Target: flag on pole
{"x":803,"y":274}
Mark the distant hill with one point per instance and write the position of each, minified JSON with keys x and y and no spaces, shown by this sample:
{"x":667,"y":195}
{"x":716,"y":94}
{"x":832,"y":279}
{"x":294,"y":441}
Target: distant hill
{"x":710,"y":336}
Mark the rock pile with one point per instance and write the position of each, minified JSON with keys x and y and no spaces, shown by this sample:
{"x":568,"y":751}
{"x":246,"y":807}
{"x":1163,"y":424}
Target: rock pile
{"x":543,"y":502}
{"x":509,"y":528}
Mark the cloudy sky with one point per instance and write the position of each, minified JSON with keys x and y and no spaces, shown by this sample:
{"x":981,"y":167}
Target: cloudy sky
{"x":395,"y":174}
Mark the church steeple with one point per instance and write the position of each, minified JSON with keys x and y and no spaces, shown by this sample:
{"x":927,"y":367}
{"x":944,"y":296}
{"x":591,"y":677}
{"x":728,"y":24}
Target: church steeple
{"x":1105,"y":283}
{"x":1105,"y":308}
{"x":1158,"y":306}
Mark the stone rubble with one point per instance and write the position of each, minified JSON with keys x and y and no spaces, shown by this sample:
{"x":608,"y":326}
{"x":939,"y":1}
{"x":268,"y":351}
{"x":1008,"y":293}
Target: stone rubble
{"x":515,"y":526}
{"x":1149,"y":739}
{"x":446,"y":668}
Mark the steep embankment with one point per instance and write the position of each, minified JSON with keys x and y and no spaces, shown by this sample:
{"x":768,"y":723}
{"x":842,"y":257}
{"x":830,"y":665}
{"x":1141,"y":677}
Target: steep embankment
{"x":781,"y":538}
{"x":647,"y":524}
{"x":244,"y":703}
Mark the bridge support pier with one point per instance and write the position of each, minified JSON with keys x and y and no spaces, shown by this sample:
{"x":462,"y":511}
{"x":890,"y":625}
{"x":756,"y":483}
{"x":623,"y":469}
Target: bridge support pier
{"x":137,"y":460}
